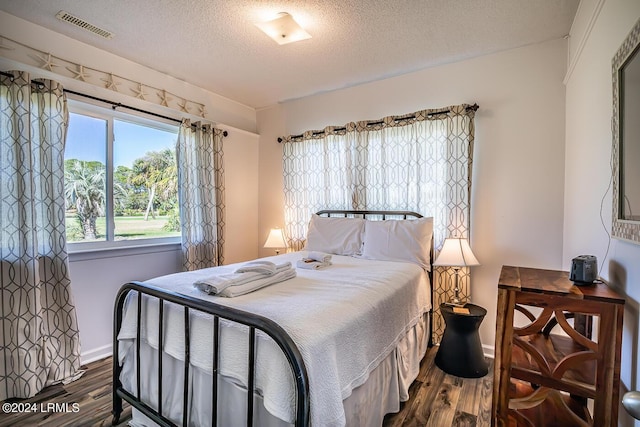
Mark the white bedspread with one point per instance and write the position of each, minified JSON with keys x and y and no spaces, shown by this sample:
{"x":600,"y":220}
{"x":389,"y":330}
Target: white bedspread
{"x":344,"y":319}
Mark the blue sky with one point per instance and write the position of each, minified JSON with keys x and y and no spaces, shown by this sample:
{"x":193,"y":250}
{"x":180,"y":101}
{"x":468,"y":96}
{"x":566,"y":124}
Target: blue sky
{"x":87,"y":135}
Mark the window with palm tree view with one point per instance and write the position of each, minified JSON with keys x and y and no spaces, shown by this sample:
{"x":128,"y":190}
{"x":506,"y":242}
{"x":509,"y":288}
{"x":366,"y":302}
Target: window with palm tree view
{"x":120,"y":177}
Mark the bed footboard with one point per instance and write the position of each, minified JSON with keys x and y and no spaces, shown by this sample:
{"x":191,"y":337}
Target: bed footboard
{"x":253,"y":321}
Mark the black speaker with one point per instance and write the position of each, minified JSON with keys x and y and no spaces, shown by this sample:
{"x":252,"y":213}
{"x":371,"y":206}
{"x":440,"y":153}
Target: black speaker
{"x":584,"y":269}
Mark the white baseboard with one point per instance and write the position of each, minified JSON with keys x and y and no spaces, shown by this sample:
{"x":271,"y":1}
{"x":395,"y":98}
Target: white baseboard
{"x":488,"y":351}
{"x":96,"y":354}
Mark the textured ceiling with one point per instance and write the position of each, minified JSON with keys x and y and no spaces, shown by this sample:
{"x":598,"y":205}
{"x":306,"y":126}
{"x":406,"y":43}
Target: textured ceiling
{"x":214,"y":44}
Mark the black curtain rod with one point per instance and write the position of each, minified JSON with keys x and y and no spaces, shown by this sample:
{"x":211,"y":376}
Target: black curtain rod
{"x":473,"y":107}
{"x":114,"y":105}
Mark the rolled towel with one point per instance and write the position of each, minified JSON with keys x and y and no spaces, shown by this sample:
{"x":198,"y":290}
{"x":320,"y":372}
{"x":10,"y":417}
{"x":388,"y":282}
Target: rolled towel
{"x":309,"y":264}
{"x":319,"y":256}
{"x":265,"y":267}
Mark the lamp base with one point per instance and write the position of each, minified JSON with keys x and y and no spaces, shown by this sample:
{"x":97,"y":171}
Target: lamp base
{"x":455,"y":301}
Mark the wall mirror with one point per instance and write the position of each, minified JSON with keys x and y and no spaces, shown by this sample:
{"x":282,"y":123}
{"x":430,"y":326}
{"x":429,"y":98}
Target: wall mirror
{"x":626,"y":138}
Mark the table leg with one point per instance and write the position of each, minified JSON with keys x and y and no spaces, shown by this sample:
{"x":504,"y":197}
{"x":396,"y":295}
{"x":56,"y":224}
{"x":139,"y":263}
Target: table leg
{"x":502,"y":359}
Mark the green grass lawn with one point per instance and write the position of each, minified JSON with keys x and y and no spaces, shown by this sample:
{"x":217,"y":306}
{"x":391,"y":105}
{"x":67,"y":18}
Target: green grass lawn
{"x":127,"y":227}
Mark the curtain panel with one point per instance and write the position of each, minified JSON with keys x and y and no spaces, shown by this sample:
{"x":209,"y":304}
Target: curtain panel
{"x":39,"y":340}
{"x":201,"y":194}
{"x":420,"y":162}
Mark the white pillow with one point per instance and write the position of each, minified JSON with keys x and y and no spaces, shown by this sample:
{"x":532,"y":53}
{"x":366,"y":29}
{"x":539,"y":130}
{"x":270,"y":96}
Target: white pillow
{"x":399,"y":240}
{"x":339,"y":236}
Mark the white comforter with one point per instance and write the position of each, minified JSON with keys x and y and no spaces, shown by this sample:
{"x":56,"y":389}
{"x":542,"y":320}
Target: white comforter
{"x":344,"y":319}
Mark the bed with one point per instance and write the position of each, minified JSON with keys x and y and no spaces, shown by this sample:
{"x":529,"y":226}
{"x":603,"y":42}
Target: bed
{"x":335,"y":346}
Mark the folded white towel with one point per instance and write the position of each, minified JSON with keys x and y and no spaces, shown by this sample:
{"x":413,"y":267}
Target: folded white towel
{"x":281,"y":276}
{"x":258,"y":266}
{"x":214,"y":285}
{"x":309,"y":264}
{"x":284,"y":266}
{"x":319,"y":256}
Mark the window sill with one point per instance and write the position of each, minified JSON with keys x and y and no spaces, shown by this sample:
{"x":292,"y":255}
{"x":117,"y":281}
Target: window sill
{"x":82,"y":254}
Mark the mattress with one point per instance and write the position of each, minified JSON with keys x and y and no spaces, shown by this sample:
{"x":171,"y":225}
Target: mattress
{"x":345,"y":320}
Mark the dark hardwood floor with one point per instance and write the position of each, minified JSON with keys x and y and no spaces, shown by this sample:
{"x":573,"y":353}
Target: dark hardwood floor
{"x":91,"y":393}
{"x":436,"y":399}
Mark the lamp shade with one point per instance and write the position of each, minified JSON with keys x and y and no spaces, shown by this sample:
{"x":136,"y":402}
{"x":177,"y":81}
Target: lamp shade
{"x":283,"y":29}
{"x":275,"y":239}
{"x":456,"y":253}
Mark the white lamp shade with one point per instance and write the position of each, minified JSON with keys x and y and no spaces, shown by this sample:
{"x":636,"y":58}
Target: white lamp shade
{"x":275,"y":239}
{"x":456,"y":253}
{"x":283,"y":29}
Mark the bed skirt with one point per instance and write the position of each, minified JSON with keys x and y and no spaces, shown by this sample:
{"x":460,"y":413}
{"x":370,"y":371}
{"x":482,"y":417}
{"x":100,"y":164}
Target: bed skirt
{"x":388,"y":385}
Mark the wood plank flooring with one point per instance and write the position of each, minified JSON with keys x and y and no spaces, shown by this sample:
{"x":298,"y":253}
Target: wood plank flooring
{"x":92,"y":393}
{"x":436,"y":399}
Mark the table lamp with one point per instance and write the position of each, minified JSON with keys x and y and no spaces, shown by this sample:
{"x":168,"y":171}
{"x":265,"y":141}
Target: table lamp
{"x":456,"y":253}
{"x":276,"y":240}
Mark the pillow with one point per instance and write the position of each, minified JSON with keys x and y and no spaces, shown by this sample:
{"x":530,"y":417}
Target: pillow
{"x":339,"y":236}
{"x":399,"y":240}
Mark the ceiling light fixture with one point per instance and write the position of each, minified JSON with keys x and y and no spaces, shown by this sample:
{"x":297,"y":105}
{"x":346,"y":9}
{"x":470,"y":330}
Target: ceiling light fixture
{"x":283,"y":29}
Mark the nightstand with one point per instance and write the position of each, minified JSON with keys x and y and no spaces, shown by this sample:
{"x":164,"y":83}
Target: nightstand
{"x":546,"y":377}
{"x":460,"y":351}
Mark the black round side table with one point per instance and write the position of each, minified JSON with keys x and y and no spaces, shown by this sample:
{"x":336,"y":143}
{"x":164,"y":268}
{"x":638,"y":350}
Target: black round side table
{"x":460,"y":351}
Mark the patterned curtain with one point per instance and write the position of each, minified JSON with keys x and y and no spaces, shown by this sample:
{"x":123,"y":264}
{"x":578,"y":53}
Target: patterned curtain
{"x":201,"y":194}
{"x":317,"y":175}
{"x":420,"y":162}
{"x":39,"y":340}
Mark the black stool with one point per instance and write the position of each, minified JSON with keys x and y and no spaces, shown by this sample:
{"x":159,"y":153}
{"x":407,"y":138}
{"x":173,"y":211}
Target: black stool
{"x":460,"y":351}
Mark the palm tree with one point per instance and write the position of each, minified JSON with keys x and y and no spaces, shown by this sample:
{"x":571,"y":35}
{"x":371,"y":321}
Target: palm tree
{"x":85,"y":189}
{"x":157,"y":172}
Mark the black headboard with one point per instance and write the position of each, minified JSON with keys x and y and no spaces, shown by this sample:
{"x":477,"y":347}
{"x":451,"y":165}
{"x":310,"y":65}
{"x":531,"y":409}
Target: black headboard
{"x":365,"y":214}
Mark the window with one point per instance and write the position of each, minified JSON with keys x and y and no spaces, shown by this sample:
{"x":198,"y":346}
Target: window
{"x":120,"y":179}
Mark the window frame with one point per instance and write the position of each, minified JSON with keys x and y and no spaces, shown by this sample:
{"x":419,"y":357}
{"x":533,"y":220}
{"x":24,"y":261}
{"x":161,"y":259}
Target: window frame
{"x":91,"y":109}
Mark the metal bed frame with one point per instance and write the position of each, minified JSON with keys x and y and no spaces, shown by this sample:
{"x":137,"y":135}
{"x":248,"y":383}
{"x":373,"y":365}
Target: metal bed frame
{"x":253,"y":321}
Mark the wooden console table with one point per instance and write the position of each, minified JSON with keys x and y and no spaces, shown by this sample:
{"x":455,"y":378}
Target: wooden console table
{"x":542,"y":378}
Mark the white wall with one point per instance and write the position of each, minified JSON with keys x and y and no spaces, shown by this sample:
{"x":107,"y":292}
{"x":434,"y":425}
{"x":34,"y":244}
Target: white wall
{"x":241,"y":197}
{"x":96,"y":278}
{"x":518,"y":175}
{"x":598,"y":31}
{"x":95,"y":282}
{"x":271,"y":125}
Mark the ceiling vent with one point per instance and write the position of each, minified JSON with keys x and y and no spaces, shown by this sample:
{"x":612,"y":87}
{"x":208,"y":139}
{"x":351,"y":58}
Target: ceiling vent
{"x":74,"y":20}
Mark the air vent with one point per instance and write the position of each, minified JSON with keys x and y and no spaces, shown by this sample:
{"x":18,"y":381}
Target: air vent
{"x":74,"y":20}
